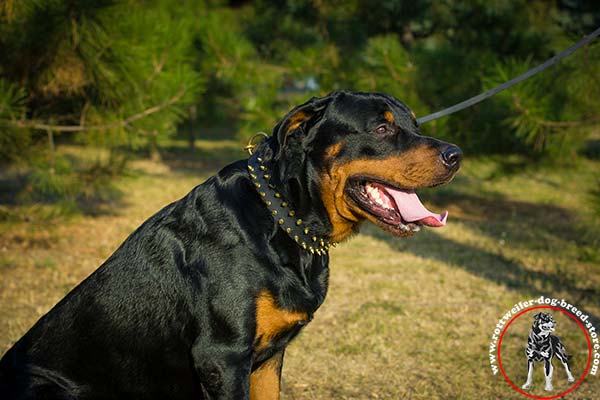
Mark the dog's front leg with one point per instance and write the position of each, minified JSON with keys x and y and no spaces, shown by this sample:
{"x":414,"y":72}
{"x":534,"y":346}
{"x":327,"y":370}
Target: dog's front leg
{"x":265,"y":380}
{"x":527,"y":384}
{"x":223,"y":370}
{"x":222,"y":351}
{"x":548,"y":369}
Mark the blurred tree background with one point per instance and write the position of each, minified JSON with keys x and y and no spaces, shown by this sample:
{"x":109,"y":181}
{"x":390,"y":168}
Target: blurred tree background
{"x":122,"y":79}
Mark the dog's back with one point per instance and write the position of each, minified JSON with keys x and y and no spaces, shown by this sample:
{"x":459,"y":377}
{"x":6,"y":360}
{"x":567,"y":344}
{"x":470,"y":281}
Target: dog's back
{"x":128,"y":328}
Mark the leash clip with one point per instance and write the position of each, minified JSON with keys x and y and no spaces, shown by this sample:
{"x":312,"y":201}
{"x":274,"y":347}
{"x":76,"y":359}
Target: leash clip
{"x":251,"y":145}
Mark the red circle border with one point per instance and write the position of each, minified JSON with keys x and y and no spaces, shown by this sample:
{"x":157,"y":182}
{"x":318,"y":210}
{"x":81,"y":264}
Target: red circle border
{"x":585,"y":372}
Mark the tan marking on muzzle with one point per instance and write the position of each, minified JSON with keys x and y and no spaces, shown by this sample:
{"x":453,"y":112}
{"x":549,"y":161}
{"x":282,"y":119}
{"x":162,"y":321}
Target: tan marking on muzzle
{"x":418,"y":167}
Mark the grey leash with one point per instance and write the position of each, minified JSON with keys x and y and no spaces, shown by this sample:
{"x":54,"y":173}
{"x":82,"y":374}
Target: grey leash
{"x":485,"y":95}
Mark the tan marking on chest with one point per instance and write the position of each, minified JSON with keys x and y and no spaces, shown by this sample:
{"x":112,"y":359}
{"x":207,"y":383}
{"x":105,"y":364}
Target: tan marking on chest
{"x":272,"y":320}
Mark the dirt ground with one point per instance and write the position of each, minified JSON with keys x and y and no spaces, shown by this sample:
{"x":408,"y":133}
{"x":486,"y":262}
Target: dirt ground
{"x":404,"y":318}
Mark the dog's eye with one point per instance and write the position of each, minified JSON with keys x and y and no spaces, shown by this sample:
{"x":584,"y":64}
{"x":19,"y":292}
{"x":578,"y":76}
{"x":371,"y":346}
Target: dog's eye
{"x":381,"y":129}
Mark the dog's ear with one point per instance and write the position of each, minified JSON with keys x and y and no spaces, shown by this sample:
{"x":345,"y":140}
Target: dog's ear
{"x":301,"y":119}
{"x":537,"y":316}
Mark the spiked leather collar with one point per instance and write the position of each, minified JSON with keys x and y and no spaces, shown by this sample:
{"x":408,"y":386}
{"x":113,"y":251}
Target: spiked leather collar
{"x":283,"y":212}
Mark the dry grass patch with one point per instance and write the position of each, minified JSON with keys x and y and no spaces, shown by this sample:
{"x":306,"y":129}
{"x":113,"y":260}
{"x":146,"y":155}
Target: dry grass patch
{"x":404,"y":319}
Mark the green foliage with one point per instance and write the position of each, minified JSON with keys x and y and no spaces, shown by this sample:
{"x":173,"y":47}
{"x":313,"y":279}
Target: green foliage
{"x":246,"y":85}
{"x":387,"y":67}
{"x":82,"y":63}
{"x":57,"y":181}
{"x":13,"y":142}
{"x":143,"y":61}
{"x":122,"y":73}
{"x":12,"y":99}
{"x":550,"y":118}
{"x":131,"y":73}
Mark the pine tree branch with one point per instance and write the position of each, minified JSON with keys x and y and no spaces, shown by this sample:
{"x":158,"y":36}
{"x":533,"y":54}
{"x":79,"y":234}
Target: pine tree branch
{"x":569,"y":124}
{"x":157,"y":68}
{"x":554,"y":124}
{"x":30,"y":124}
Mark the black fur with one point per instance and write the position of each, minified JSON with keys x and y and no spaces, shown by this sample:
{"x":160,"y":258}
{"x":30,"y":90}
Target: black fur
{"x":171,"y":314}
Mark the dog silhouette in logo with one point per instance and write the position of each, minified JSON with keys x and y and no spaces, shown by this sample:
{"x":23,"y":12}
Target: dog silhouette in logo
{"x":543,"y":346}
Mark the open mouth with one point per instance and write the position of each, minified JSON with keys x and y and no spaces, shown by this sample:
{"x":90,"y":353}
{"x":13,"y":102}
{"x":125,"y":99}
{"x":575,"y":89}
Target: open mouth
{"x":547,"y":327}
{"x":399,"y":209}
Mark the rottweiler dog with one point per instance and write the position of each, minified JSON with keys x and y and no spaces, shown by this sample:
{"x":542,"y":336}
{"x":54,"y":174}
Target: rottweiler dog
{"x":543,"y":346}
{"x":202,"y":299}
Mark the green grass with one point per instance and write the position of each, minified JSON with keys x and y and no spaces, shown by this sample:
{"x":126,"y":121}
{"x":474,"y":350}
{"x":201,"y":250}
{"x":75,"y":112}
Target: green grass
{"x":404,"y":318}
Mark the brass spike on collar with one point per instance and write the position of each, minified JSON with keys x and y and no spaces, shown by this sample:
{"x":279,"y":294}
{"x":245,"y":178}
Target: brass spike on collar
{"x":282,"y":211}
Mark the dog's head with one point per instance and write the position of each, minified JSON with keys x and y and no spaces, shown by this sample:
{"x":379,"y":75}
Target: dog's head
{"x":543,"y":323}
{"x":357,"y":156}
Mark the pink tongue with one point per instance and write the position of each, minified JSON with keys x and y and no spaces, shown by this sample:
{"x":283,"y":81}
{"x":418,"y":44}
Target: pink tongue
{"x":412,"y":210}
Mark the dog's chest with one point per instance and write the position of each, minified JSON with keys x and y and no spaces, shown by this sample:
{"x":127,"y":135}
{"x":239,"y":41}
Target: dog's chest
{"x":539,"y":344}
{"x":284,"y":309}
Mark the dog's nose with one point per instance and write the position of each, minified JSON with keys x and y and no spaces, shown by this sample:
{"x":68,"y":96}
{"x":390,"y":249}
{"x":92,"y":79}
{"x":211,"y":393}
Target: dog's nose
{"x":451,"y":156}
